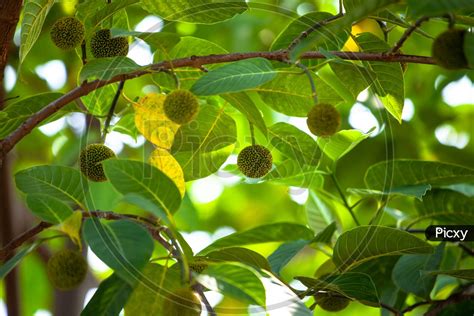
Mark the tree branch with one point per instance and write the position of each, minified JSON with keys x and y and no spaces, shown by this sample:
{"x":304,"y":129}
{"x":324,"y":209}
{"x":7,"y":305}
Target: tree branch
{"x":195,"y":61}
{"x":112,"y":110}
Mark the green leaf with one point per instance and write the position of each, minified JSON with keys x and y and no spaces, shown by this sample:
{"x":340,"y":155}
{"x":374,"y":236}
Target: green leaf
{"x":123,"y":245}
{"x":235,"y":77}
{"x":162,"y":41}
{"x":355,"y":285}
{"x":406,"y":272}
{"x":283,"y":254}
{"x":63,"y":183}
{"x":324,"y":39}
{"x":98,"y":102}
{"x":106,"y":68}
{"x":469,"y":48}
{"x":291,"y":173}
{"x":364,"y":243}
{"x":261,"y":234}
{"x":196,"y":11}
{"x":325,"y":236}
{"x":48,"y":208}
{"x":6,"y":267}
{"x":439,"y":7}
{"x":389,"y":84}
{"x":110,"y":297}
{"x":417,"y":191}
{"x":398,"y":173}
{"x":467,"y":274}
{"x":34,"y":15}
{"x":321,"y":209}
{"x":15,"y":114}
{"x":126,"y":125}
{"x":446,"y":207}
{"x":155,"y":284}
{"x":235,"y":280}
{"x":341,"y":143}
{"x":144,"y":180}
{"x":104,"y":12}
{"x":242,"y":102}
{"x":294,"y":143}
{"x":188,"y":46}
{"x":289,"y":93}
{"x":242,"y":255}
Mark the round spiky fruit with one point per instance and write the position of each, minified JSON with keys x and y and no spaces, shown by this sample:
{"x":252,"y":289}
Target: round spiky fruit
{"x":323,"y":120}
{"x":66,"y":269}
{"x":181,"y":106}
{"x":255,"y":161}
{"x":103,"y":45}
{"x":90,"y":161}
{"x":198,"y":265}
{"x":331,"y":302}
{"x":67,"y":33}
{"x":448,"y":49}
{"x":182,"y":302}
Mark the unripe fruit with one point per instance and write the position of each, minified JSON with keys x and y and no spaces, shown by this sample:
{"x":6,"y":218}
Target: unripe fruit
{"x":66,"y":269}
{"x":323,"y":120}
{"x":90,"y":161}
{"x":181,"y":106}
{"x":103,"y":45}
{"x":183,"y":302}
{"x":255,"y":161}
{"x":67,"y":33}
{"x":198,"y":265}
{"x":331,"y":302}
{"x":448,"y":49}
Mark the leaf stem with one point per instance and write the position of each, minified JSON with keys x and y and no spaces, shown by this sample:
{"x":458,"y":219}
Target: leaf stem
{"x":343,"y":197}
{"x":407,"y":34}
{"x":112,"y":109}
{"x":252,"y":133}
{"x":308,"y":73}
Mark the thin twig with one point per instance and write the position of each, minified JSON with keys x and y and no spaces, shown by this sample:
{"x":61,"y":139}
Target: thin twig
{"x":84,"y":53}
{"x":252,"y":133}
{"x":311,"y":81}
{"x":412,"y":307}
{"x":112,"y":109}
{"x":391,"y":309}
{"x":199,"y":289}
{"x":407,"y":34}
{"x":343,"y":197}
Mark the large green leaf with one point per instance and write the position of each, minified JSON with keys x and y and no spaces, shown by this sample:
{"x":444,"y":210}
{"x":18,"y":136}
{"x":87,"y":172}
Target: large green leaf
{"x":123,"y":245}
{"x":261,"y":234}
{"x":110,"y":297}
{"x":321,"y":209}
{"x":364,"y":243}
{"x":34,"y":14}
{"x":106,"y":68}
{"x":242,"y":255}
{"x":406,"y":272}
{"x":99,"y":15}
{"x":143,"y":180}
{"x":339,"y":144}
{"x":324,"y":39}
{"x":291,"y":173}
{"x":283,"y":254}
{"x":195,"y":11}
{"x":294,"y":143}
{"x":417,"y":191}
{"x":235,"y":77}
{"x":446,"y":207}
{"x":9,"y":265}
{"x":235,"y":280}
{"x":466,"y":274}
{"x":242,"y":102}
{"x":188,"y":46}
{"x":18,"y":112}
{"x":48,"y":208}
{"x":155,"y":284}
{"x":438,"y":7}
{"x":355,"y":285}
{"x":388,"y":84}
{"x":390,"y":174}
{"x":99,"y":101}
{"x":63,"y":183}
{"x":214,"y":129}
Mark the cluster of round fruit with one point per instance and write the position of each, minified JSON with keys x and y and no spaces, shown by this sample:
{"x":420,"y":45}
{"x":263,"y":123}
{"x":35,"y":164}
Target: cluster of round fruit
{"x":68,"y":33}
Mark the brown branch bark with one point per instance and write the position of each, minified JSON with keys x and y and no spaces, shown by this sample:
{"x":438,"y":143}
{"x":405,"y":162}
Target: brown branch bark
{"x":194,"y":61}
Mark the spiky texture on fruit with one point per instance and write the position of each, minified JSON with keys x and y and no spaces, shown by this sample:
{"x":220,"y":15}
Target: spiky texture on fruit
{"x":198,"y":265}
{"x":323,"y":120}
{"x":66,"y":269}
{"x":255,"y":161}
{"x":448,"y":49}
{"x":67,"y":33}
{"x":182,"y":302}
{"x":181,"y":106}
{"x":90,"y":161}
{"x":331,"y":302}
{"x":103,"y":45}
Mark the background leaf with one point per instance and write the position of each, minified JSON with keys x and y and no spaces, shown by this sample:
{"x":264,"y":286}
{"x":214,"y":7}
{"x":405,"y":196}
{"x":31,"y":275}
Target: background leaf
{"x":242,"y":102}
{"x":466,"y":274}
{"x":48,"y":208}
{"x":291,"y":173}
{"x":11,"y":263}
{"x":341,"y":143}
{"x":235,"y":77}
{"x":284,"y":253}
{"x":439,"y":7}
{"x":106,"y":68}
{"x":242,"y":255}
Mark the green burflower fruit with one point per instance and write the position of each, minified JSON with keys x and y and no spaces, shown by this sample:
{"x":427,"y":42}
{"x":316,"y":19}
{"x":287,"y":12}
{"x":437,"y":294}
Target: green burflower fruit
{"x":181,"y":106}
{"x":331,"y":302}
{"x":448,"y":49}
{"x":67,"y":33}
{"x":90,"y":161}
{"x":66,"y":269}
{"x":255,"y":161}
{"x":182,"y":302}
{"x":103,"y":45}
{"x":323,"y":120}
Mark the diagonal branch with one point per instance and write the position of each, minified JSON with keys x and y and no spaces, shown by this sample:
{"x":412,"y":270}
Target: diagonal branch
{"x":195,"y":61}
